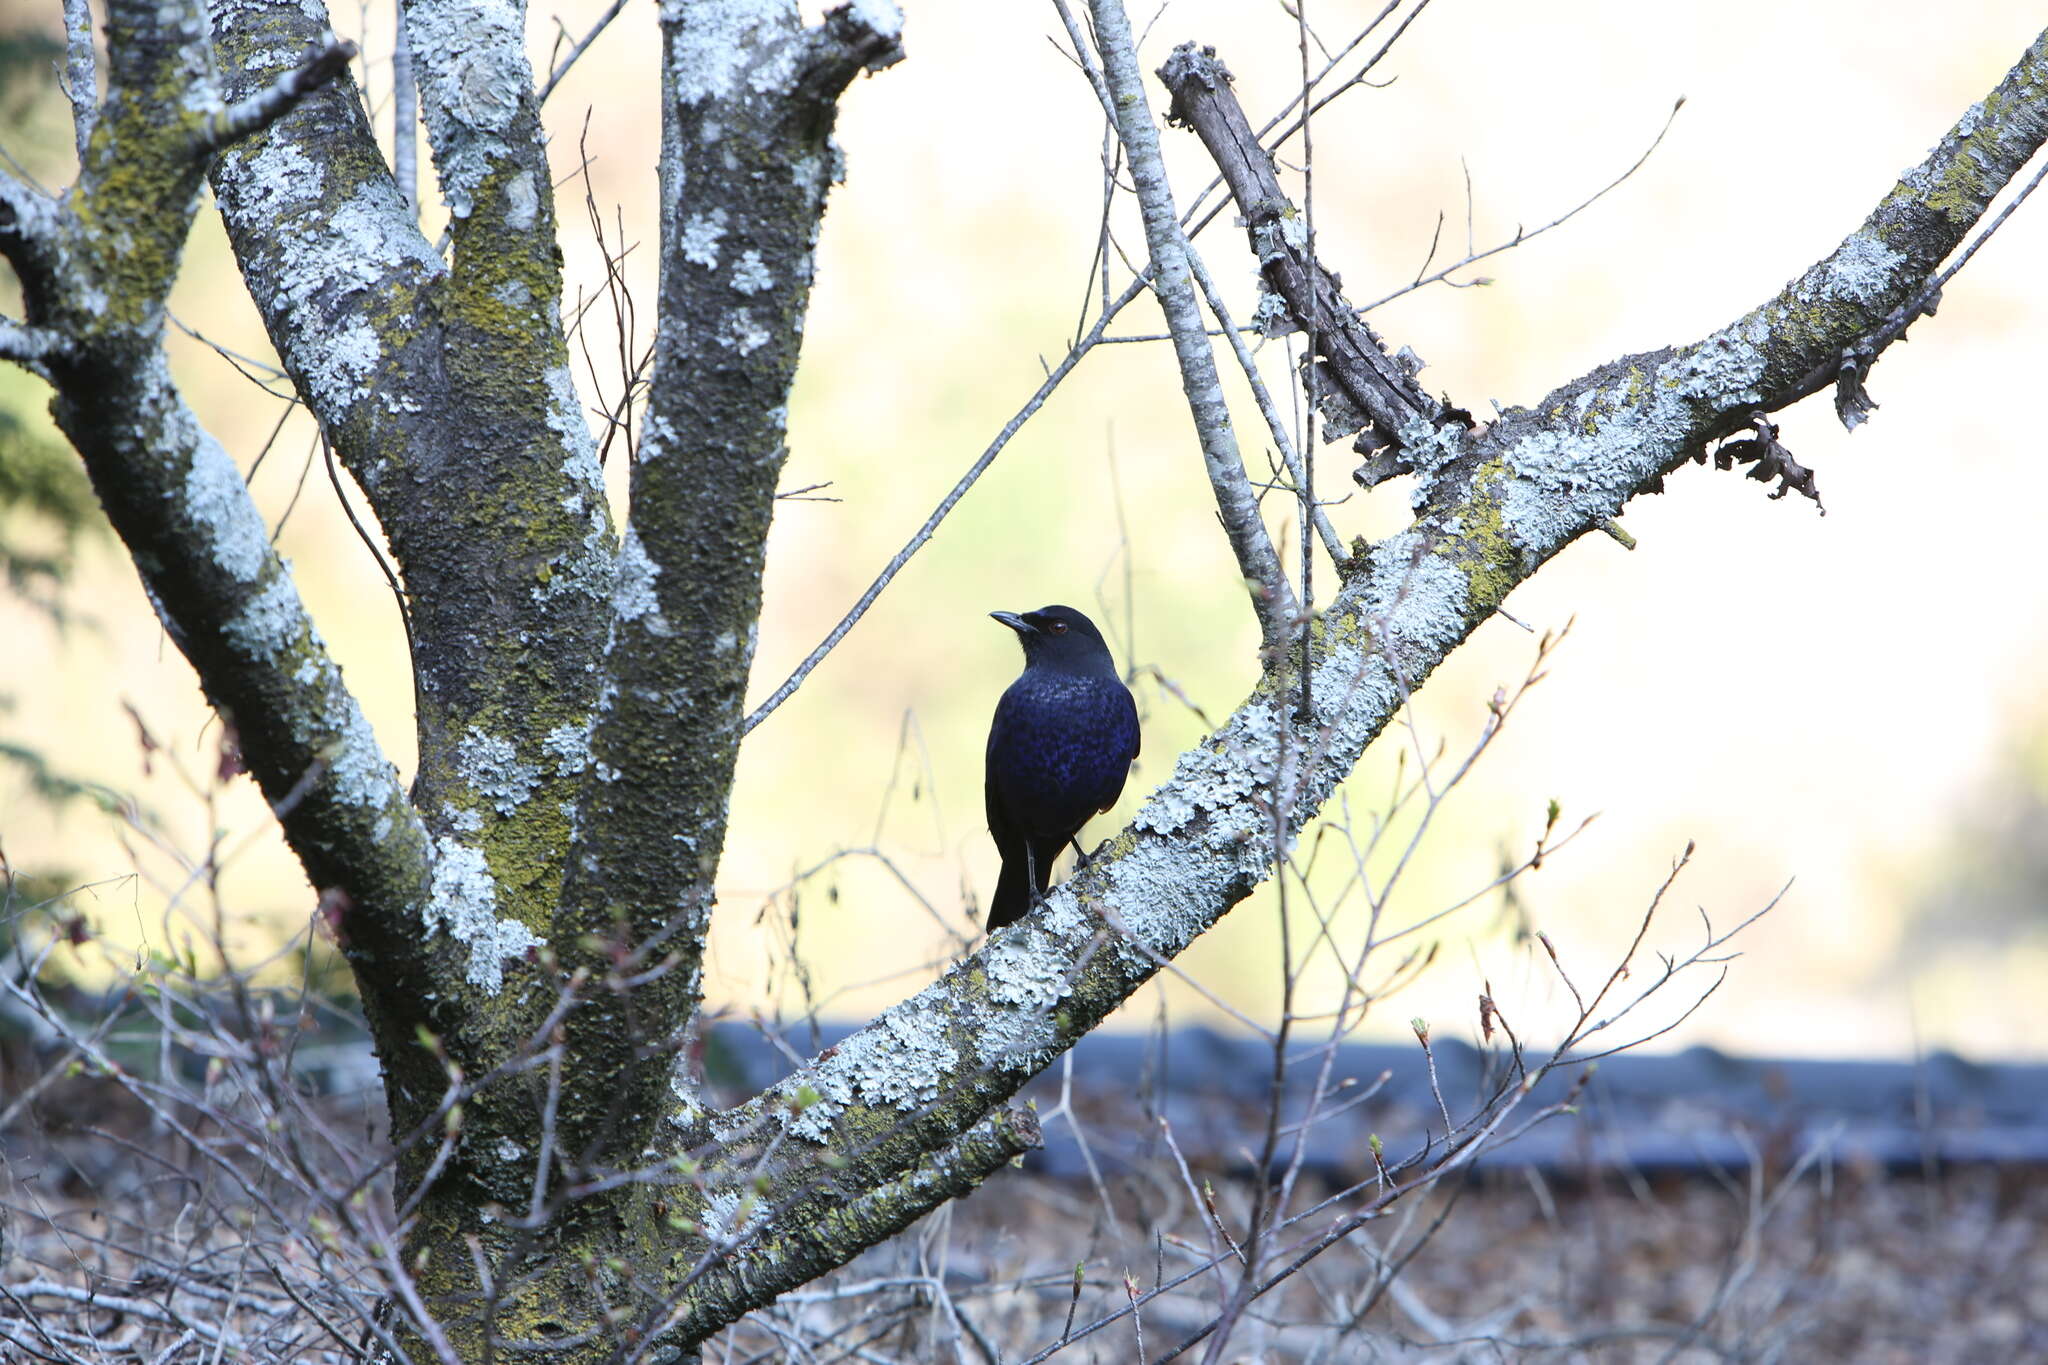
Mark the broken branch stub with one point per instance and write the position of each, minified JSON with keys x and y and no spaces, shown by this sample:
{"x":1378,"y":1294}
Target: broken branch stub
{"x":1360,"y":386}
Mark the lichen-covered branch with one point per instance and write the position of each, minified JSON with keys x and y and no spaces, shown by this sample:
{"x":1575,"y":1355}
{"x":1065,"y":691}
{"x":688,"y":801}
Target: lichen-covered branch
{"x":446,"y":392}
{"x":81,"y":76}
{"x":1236,"y":504}
{"x":260,"y":110}
{"x":30,"y":346}
{"x":95,"y":269}
{"x":1492,"y":508}
{"x":793,"y":1248}
{"x":746,"y":163}
{"x":1363,"y":386}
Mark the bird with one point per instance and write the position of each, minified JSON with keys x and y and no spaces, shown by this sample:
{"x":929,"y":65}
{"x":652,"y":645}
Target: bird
{"x":1062,"y":742}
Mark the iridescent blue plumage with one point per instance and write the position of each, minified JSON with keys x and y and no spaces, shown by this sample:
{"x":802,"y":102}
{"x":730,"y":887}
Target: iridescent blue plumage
{"x":1061,"y":745}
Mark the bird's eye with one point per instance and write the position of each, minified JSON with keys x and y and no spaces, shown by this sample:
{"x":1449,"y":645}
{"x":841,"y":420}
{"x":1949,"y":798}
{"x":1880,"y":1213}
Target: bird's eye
{"x":1057,"y":627}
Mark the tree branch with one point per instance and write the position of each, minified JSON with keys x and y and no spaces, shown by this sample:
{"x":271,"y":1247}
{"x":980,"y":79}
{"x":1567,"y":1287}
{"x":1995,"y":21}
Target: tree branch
{"x":1333,"y":544}
{"x":259,"y":111}
{"x":1372,"y":389}
{"x":96,"y":268}
{"x":30,"y":346}
{"x":405,"y":117}
{"x":28,"y":235}
{"x":1272,"y":598}
{"x":1489,"y":518}
{"x":1276,"y":425}
{"x":81,"y":80}
{"x":736,"y":274}
{"x":791,"y":1251}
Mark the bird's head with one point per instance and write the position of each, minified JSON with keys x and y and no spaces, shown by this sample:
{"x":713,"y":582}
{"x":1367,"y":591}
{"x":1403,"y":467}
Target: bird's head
{"x":1059,"y":637}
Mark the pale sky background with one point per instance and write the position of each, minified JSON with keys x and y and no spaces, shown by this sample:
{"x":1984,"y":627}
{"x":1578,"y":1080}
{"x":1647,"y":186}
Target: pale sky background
{"x":1830,"y":702}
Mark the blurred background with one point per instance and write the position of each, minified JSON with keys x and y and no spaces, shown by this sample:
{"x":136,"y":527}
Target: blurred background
{"x":1846,"y":705}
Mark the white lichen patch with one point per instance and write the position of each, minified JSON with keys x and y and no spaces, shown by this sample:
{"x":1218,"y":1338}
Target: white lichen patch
{"x":686,"y":1110}
{"x":1862,"y":271}
{"x":1428,"y":447}
{"x":591,"y":570}
{"x":702,"y":233}
{"x":492,"y":767}
{"x":352,"y":352}
{"x":327,"y":256}
{"x":1211,"y":781}
{"x":833,"y":1090}
{"x":464,"y":902}
{"x":508,"y":1151}
{"x":270,"y":621}
{"x":371,"y":231}
{"x":1568,"y":478}
{"x":906,"y":1061}
{"x":565,"y":419}
{"x":900,"y":1061}
{"x":635,"y":598}
{"x":714,"y":45}
{"x":274,"y":176}
{"x":881,"y":16}
{"x":750,"y":275}
{"x":742,"y":332}
{"x":469,"y":57}
{"x":1412,"y":596}
{"x":729,"y":1215}
{"x":569,"y":745}
{"x":1027,"y":978}
{"x":218,"y":502}
{"x":328,"y":252}
{"x":522,"y":202}
{"x":362,"y":776}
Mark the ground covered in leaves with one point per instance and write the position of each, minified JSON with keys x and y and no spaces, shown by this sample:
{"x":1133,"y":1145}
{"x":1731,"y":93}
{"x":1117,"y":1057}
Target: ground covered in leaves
{"x":115,"y":1246}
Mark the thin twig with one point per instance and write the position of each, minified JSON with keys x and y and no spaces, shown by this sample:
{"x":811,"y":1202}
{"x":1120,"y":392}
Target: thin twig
{"x":81,"y":80}
{"x":405,"y":117}
{"x":946,"y":504}
{"x":555,"y":76}
{"x":266,"y":107}
{"x":1272,"y":597}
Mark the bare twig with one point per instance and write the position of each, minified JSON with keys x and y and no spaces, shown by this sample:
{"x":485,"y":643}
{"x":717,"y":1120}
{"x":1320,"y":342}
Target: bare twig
{"x":81,"y":79}
{"x":260,"y":110}
{"x":946,"y":504}
{"x":405,"y":117}
{"x":555,"y":76}
{"x":1272,"y":597}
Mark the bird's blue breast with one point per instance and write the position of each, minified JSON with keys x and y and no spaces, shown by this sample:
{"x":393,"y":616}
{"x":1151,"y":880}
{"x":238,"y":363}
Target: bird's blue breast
{"x":1060,"y":748}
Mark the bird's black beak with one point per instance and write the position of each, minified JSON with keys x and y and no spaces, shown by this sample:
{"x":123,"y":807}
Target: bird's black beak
{"x":1015,"y":622}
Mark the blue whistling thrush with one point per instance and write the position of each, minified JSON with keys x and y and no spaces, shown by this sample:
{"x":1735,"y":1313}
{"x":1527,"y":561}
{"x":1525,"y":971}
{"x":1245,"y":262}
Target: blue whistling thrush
{"x":1061,"y":745}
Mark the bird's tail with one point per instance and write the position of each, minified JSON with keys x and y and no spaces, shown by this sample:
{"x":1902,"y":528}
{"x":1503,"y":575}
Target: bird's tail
{"x":1014,"y":891}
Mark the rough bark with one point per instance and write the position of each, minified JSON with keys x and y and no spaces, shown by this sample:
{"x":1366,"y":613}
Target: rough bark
{"x":548,"y":883}
{"x":1362,"y":385}
{"x":1492,"y":509}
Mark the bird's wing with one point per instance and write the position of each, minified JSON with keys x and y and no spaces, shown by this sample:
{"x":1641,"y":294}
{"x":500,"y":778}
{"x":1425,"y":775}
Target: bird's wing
{"x":1000,"y":826}
{"x":1137,"y":742}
